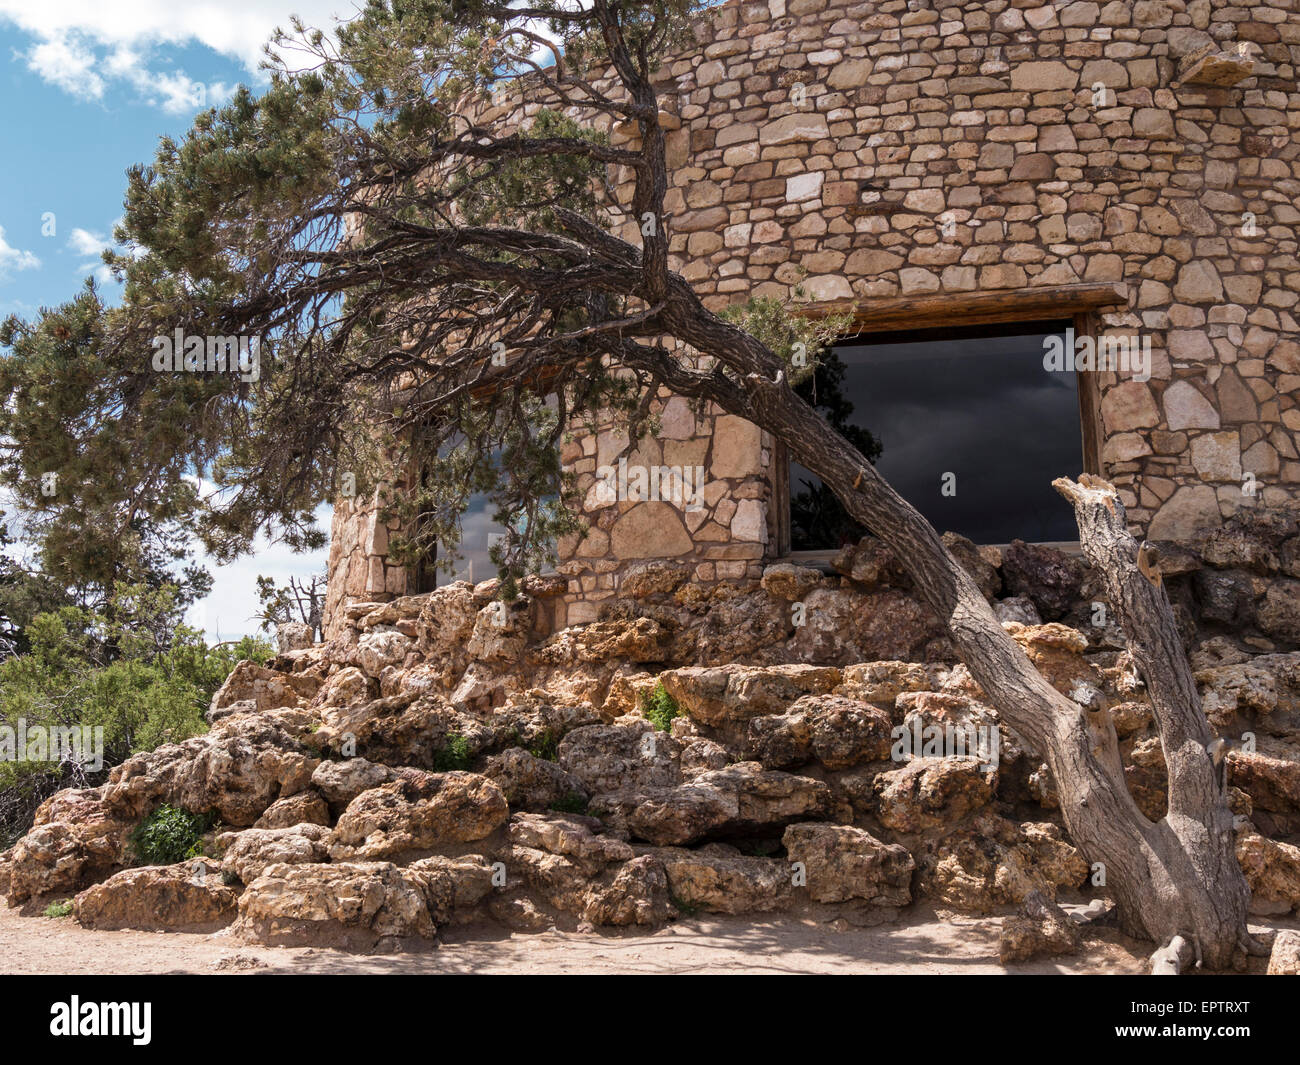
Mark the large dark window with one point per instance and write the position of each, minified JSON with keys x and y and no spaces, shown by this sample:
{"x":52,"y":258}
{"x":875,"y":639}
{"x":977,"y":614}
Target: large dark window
{"x":965,"y":423}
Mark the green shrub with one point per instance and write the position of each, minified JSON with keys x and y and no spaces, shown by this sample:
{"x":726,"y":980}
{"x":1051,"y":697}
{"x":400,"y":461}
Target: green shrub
{"x":573,"y":803}
{"x":59,"y":909}
{"x":547,"y":747}
{"x":658,"y":707}
{"x":455,"y":754}
{"x":169,"y":835}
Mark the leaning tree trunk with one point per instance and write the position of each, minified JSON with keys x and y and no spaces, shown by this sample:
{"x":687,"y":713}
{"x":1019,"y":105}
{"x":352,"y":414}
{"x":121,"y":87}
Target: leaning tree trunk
{"x":1176,"y":877}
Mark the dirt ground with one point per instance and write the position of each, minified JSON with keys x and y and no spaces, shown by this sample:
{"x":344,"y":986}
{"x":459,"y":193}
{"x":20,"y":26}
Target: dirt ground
{"x":922,"y":941}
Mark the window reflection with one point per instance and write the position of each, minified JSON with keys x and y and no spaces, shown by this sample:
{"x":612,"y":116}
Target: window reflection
{"x":974,"y":402}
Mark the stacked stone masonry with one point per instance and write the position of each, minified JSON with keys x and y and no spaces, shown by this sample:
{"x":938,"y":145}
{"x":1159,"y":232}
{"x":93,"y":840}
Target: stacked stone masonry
{"x":871,"y":151}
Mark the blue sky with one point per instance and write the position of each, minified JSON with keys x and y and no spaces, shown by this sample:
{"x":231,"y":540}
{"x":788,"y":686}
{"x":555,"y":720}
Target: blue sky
{"x":88,"y":88}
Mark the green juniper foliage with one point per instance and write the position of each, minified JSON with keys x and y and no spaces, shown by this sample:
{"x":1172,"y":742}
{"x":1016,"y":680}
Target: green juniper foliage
{"x":138,"y":674}
{"x":455,"y":753}
{"x":658,"y":707}
{"x":169,"y":835}
{"x":417,"y":222}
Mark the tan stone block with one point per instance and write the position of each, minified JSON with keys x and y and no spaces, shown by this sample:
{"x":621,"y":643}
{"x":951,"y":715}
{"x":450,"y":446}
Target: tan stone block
{"x":737,"y":448}
{"x":1043,"y":76}
{"x":1217,"y":456}
{"x":650,"y":530}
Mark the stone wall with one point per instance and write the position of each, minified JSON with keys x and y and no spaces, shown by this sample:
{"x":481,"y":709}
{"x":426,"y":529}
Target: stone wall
{"x":902,"y":149}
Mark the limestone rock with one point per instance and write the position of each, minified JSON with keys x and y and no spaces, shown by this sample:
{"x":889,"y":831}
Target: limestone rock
{"x":342,"y":781}
{"x":606,"y":758}
{"x":418,"y":811}
{"x":843,"y":863}
{"x":76,"y":839}
{"x":379,"y":648}
{"x":932,"y":792}
{"x":188,"y":897}
{"x":1041,"y":927}
{"x":267,"y":688}
{"x":351,"y":905}
{"x":724,"y":882}
{"x":530,"y":783}
{"x":1272,"y":870}
{"x":714,"y":695}
{"x":246,"y":854}
{"x":838,"y":732}
{"x":1050,"y":578}
{"x":996,"y":863}
{"x":1284,"y":958}
{"x":307,"y":807}
{"x":293,"y":636}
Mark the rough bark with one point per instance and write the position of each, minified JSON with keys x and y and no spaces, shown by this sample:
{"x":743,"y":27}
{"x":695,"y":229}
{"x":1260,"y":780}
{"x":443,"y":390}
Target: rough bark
{"x":1177,"y":876}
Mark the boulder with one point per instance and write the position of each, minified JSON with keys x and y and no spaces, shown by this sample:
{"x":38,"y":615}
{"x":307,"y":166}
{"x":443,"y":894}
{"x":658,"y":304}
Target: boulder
{"x":246,"y":854}
{"x":742,"y":799}
{"x":638,"y":895}
{"x":1041,"y":927}
{"x":606,"y":758}
{"x":635,"y":640}
{"x":350,"y":905}
{"x":994,"y":862}
{"x":580,"y":839}
{"x":1272,"y":870}
{"x":267,"y":688}
{"x":870,"y":562}
{"x":307,"y":807}
{"x":76,"y":838}
{"x":837,"y":732}
{"x":342,"y":781}
{"x":1273,"y":783}
{"x":530,"y":783}
{"x":884,"y":682}
{"x":418,"y":812}
{"x":1052,"y":579}
{"x":188,"y":897}
{"x":842,"y":863}
{"x":718,"y":695}
{"x":294,"y":636}
{"x":377,"y":649}
{"x":717,"y":882}
{"x":1284,"y":958}
{"x":452,"y":887}
{"x":932,"y":792}
{"x":789,"y":582}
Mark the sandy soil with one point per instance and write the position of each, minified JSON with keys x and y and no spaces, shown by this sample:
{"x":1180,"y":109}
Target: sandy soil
{"x":923,"y":941}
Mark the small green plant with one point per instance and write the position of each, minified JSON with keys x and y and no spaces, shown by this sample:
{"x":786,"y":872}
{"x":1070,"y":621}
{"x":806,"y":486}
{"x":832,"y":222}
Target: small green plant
{"x":59,"y":909}
{"x":658,"y":707}
{"x":547,"y":747}
{"x":455,"y":754}
{"x":573,"y":803}
{"x":169,"y":835}
{"x":686,"y":909}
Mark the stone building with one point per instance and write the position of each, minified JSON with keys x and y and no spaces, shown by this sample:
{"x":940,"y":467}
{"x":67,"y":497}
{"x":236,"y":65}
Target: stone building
{"x":1067,"y":237}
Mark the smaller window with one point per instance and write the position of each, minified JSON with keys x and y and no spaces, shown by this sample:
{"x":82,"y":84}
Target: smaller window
{"x":966,"y":423}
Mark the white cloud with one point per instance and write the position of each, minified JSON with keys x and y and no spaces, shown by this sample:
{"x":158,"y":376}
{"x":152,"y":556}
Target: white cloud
{"x":235,"y":28}
{"x":85,"y":46}
{"x":89,"y":246}
{"x":69,"y":64}
{"x":227,"y":612}
{"x":12,"y":258}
